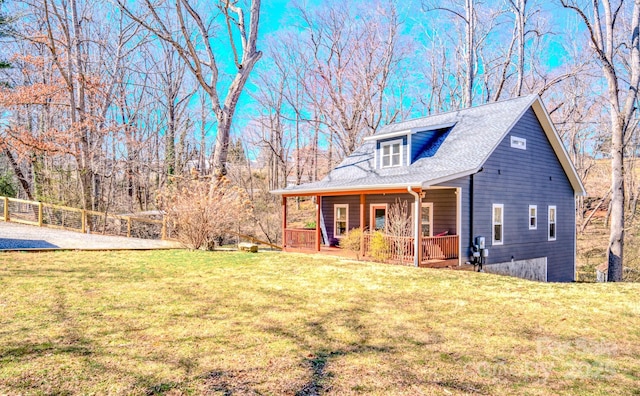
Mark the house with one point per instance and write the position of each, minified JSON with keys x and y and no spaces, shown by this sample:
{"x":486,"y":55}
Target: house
{"x":498,"y":170}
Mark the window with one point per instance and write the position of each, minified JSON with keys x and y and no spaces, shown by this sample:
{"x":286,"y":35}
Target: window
{"x":552,"y":223}
{"x":378,"y":217}
{"x":533,"y":217}
{"x":426,"y":219}
{"x":341,"y":216}
{"x":498,"y":230}
{"x":519,"y":143}
{"x":391,"y":153}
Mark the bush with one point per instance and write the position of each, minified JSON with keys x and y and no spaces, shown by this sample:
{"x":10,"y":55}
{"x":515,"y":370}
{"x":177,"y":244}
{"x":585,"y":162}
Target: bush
{"x":8,"y":187}
{"x":202,"y":211}
{"x":379,"y":247}
{"x":352,"y":240}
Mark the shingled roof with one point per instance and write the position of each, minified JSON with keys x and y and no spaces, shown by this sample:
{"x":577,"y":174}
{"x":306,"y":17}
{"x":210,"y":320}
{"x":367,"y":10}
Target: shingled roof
{"x":475,"y":133}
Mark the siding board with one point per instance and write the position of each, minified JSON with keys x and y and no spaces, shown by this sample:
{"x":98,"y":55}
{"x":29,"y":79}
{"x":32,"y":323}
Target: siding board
{"x":517,"y":179}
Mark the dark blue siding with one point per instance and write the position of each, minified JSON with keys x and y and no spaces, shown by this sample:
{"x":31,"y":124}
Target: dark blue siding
{"x":444,"y":208}
{"x":419,"y":141}
{"x":519,"y":178}
{"x":426,"y":144}
{"x":327,"y":211}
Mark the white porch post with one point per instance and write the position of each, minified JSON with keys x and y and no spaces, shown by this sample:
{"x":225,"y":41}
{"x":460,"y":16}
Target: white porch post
{"x":417,"y":245}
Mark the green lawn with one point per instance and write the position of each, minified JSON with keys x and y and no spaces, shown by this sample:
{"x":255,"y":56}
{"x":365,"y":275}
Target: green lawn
{"x":179,"y":322}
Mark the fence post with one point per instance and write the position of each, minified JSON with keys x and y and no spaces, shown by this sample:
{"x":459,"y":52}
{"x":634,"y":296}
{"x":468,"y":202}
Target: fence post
{"x":39,"y":214}
{"x":6,"y":209}
{"x":128,"y":227}
{"x":83,"y":221}
{"x":164,"y":227}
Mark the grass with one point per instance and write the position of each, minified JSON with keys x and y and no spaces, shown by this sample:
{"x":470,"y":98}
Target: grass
{"x":178,"y":322}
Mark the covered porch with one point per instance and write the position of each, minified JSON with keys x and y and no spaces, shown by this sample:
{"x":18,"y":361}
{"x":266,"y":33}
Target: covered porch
{"x":434,"y":240}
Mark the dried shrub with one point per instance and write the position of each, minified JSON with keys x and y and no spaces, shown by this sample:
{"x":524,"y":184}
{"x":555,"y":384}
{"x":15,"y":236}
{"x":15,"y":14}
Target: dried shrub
{"x":352,"y":240}
{"x":202,"y":211}
{"x":399,"y":228}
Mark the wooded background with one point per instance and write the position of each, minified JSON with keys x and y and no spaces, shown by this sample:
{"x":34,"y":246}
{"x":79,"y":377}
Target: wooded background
{"x":105,"y":102}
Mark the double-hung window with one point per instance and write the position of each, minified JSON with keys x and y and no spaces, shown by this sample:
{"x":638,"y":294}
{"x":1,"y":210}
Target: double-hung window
{"x":341,"y":220}
{"x":391,"y":153}
{"x":497,"y":221}
{"x":426,"y":219}
{"x":552,"y":223}
{"x":533,"y":217}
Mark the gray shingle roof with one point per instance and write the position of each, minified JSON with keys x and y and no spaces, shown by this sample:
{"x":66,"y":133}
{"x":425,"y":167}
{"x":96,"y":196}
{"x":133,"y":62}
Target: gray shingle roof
{"x":476,"y":133}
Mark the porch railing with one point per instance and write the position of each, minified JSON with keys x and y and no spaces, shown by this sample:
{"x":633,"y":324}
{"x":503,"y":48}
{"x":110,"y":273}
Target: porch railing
{"x":440,"y":247}
{"x":393,"y":248}
{"x":401,"y":249}
{"x":300,"y":239}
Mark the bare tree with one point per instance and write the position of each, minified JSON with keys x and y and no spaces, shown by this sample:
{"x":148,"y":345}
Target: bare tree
{"x":193,"y":40}
{"x":615,"y":42}
{"x":353,"y":61}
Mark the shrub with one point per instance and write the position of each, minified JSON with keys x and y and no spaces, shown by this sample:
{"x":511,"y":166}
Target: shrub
{"x":202,"y":211}
{"x":8,"y":187}
{"x":379,"y":247}
{"x":352,"y":240}
{"x":399,"y":227}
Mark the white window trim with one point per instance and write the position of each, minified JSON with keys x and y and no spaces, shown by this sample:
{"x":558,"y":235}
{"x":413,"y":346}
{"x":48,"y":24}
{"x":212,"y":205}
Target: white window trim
{"x":535,"y":226}
{"x":335,"y":220}
{"x":372,"y":219}
{"x":493,"y":224}
{"x":391,"y":143}
{"x":518,"y":143}
{"x":555,"y":222}
{"x":430,"y":206}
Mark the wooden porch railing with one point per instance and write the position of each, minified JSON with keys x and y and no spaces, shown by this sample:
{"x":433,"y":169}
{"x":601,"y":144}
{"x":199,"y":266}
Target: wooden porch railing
{"x":398,"y":249}
{"x":440,"y":247}
{"x":299,"y":239}
{"x":401,"y":249}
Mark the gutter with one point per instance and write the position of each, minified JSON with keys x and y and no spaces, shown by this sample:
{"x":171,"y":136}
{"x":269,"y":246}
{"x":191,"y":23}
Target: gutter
{"x":416,"y":225}
{"x":301,"y":191}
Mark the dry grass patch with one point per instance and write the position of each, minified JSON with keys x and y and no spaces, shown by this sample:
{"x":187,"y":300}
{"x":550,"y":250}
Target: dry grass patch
{"x":177,"y":322}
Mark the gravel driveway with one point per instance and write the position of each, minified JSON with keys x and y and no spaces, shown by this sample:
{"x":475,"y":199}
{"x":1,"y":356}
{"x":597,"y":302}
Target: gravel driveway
{"x":20,"y":236}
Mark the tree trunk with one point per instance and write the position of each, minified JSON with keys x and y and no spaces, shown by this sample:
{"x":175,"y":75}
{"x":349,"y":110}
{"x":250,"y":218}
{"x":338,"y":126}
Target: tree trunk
{"x":616,"y":236}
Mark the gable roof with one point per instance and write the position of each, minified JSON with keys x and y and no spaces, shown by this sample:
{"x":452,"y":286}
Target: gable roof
{"x":475,"y":134}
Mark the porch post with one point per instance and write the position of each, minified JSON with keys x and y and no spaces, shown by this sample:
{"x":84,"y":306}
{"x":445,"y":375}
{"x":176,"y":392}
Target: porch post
{"x":362,"y":207}
{"x":459,"y":222}
{"x":284,"y":223}
{"x":417,"y":231}
{"x":417,"y":242}
{"x":318,"y":236}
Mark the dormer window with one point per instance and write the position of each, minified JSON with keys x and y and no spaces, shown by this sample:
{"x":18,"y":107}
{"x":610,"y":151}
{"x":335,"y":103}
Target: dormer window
{"x":391,"y":153}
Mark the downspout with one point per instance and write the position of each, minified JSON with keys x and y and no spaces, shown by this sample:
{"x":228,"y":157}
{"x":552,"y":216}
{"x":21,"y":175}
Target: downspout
{"x":472,"y":206}
{"x":471,"y":211}
{"x":416,"y":225}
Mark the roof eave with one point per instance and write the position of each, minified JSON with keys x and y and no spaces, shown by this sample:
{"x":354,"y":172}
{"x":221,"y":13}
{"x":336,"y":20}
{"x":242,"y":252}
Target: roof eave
{"x":409,"y":131}
{"x":358,"y":188}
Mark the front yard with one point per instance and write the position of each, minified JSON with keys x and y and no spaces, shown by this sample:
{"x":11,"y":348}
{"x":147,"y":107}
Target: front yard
{"x":179,"y":322}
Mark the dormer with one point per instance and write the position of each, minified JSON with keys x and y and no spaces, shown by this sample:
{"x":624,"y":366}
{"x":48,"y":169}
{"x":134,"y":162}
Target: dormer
{"x":402,"y":148}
